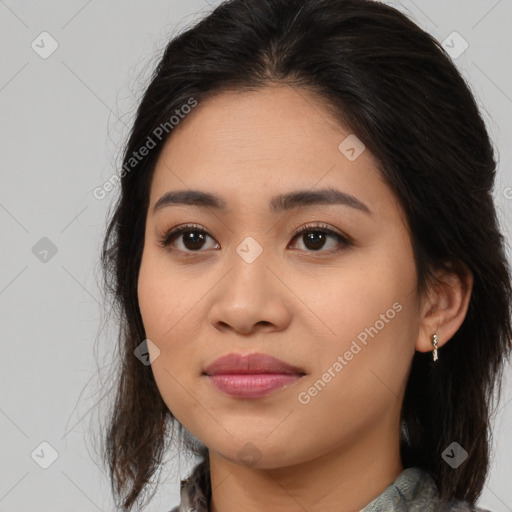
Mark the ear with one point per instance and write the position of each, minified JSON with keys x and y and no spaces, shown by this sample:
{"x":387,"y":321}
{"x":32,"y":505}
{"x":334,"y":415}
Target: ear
{"x":445,"y":306}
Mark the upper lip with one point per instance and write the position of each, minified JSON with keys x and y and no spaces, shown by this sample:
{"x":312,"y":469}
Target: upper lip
{"x":249,"y":363}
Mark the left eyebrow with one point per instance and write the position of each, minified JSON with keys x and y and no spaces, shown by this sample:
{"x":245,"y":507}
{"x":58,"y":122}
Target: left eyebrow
{"x":279,"y":203}
{"x":283,"y":202}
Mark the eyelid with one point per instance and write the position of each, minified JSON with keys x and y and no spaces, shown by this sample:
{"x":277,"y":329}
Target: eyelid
{"x":344,"y":241}
{"x":165,"y":238}
{"x":298,"y":228}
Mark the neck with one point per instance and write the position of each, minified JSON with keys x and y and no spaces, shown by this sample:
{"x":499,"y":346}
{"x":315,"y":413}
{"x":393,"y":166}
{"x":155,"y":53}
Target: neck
{"x":345,"y":479}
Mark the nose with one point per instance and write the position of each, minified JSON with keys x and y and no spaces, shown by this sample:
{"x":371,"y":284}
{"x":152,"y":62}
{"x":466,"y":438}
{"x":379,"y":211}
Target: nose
{"x":251,"y":298}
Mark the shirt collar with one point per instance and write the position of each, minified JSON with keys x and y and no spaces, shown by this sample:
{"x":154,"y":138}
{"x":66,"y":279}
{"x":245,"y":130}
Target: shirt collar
{"x":414,"y":490}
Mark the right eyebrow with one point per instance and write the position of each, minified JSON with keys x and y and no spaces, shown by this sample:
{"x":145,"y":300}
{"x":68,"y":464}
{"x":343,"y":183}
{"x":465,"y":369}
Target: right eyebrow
{"x":192,"y":198}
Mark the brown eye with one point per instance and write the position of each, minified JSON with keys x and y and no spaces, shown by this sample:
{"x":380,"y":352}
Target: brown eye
{"x":314,"y":238}
{"x":192,"y":238}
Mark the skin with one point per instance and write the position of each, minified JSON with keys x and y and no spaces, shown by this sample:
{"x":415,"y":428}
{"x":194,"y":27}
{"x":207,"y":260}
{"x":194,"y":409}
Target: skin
{"x":341,"y":450}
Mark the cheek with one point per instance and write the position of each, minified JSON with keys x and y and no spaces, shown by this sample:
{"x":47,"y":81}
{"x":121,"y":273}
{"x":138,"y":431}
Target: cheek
{"x":161,"y":309}
{"x":168,"y":302}
{"x":354,"y":298}
{"x":150,"y":297}
{"x":162,"y":301}
{"x":364,"y":355}
{"x":369,"y":312}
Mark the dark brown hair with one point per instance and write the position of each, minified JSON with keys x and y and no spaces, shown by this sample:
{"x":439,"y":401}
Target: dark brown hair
{"x":394,"y":86}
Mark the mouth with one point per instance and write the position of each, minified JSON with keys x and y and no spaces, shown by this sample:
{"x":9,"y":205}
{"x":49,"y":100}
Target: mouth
{"x":252,"y":375}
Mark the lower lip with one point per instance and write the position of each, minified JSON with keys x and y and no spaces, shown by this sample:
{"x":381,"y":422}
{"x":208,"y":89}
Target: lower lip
{"x":252,"y":385}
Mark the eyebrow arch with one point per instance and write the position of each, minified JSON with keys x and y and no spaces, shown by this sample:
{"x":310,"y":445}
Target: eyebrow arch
{"x":279,"y":203}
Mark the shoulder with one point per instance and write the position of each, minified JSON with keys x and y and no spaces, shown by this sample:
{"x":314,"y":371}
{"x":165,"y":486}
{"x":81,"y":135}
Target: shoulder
{"x":195,"y":491}
{"x":459,"y":506}
{"x":416,"y":490}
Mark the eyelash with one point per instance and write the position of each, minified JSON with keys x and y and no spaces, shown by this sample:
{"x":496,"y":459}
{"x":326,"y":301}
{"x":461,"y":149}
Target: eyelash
{"x":342,"y":240}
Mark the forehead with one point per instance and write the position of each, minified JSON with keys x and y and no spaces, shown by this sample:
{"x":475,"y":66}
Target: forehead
{"x":250,"y":146}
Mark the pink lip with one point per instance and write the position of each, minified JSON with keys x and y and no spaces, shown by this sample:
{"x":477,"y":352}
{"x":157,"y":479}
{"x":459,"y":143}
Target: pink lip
{"x":251,"y":375}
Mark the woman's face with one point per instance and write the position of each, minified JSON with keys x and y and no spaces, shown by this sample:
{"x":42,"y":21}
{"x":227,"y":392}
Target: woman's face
{"x":347,"y":314}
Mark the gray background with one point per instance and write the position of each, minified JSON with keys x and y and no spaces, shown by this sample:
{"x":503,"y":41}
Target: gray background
{"x":64,"y":119}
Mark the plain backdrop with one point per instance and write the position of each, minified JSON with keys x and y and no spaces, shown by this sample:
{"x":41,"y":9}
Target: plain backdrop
{"x":64,"y":117}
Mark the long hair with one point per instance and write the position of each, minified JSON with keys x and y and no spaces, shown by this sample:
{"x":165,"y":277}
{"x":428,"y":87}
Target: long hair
{"x":396,"y":88}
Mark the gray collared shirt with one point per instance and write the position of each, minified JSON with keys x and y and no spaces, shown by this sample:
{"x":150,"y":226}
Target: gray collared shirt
{"x":414,"y":490}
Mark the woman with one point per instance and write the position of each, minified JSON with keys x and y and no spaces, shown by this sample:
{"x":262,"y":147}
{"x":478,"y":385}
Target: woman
{"x":307,"y":252}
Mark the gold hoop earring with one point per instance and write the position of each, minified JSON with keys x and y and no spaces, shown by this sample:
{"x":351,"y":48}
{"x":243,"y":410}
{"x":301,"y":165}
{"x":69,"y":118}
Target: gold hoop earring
{"x":434,"y":343}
